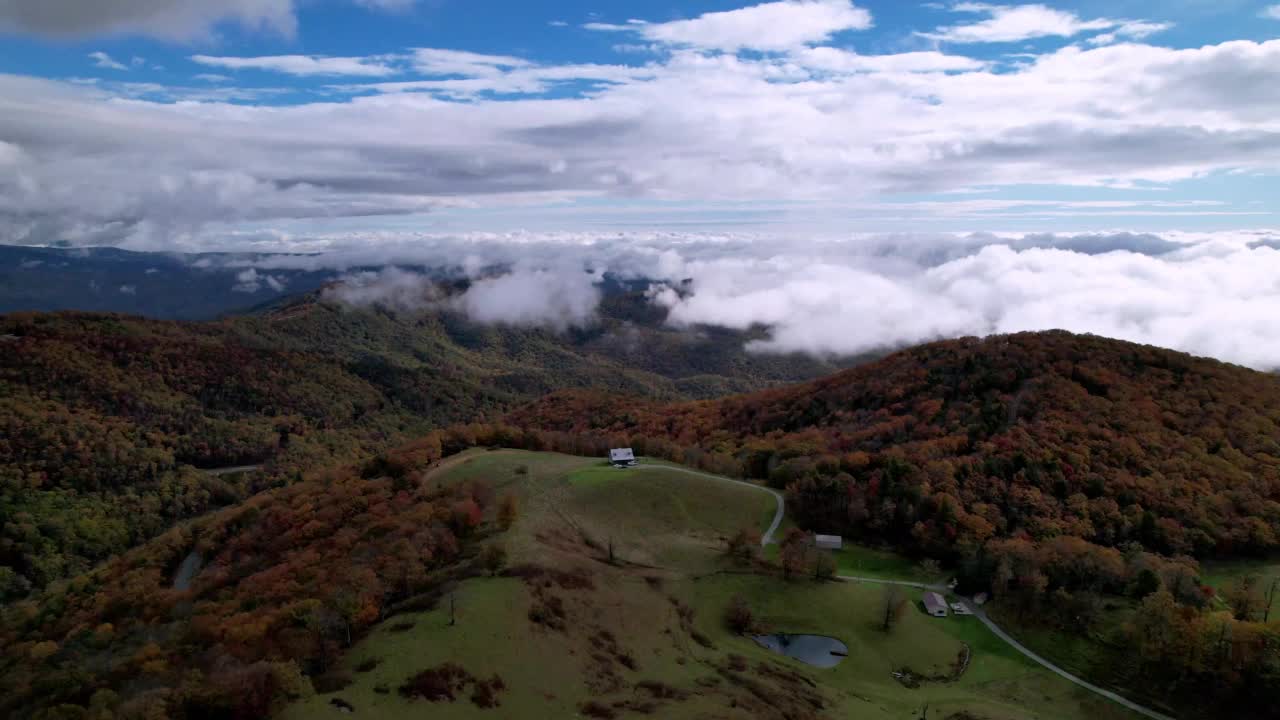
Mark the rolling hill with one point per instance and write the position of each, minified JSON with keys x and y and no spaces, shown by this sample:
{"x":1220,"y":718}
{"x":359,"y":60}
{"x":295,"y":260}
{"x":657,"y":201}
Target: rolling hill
{"x":1080,"y":480}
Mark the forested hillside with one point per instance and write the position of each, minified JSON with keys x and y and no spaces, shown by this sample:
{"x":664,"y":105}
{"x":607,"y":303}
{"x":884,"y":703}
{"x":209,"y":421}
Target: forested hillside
{"x":219,"y":618}
{"x":1041,"y":435}
{"x":104,"y":419}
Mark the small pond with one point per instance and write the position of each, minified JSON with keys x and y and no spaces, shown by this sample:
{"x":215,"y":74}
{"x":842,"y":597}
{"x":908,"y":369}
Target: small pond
{"x":817,"y":650}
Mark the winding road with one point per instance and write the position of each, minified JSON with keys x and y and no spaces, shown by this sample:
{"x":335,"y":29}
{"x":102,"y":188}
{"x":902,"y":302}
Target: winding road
{"x":977,"y":610}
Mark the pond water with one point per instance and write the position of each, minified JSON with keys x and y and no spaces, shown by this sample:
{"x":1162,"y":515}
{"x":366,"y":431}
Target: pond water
{"x":817,"y":650}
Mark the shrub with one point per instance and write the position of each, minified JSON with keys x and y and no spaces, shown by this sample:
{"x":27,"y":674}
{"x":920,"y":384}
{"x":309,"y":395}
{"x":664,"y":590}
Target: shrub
{"x":493,"y":558}
{"x":739,"y":617}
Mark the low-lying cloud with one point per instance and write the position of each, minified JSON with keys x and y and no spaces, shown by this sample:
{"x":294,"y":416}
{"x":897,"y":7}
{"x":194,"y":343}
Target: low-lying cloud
{"x":557,"y":299}
{"x":1213,"y":294}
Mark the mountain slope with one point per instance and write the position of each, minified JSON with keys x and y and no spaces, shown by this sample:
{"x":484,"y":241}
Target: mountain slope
{"x":104,"y":419}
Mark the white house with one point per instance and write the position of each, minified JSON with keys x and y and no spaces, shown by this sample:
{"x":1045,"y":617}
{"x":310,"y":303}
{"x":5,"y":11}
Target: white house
{"x":622,"y":457}
{"x":935,"y":604}
{"x":828,"y":542}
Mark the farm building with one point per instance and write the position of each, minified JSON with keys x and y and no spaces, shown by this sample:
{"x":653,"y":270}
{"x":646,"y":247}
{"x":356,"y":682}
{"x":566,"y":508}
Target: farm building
{"x":828,"y":542}
{"x":935,"y":604}
{"x":622,"y":457}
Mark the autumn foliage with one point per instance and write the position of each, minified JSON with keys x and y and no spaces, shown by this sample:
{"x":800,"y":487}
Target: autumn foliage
{"x":290,"y":579}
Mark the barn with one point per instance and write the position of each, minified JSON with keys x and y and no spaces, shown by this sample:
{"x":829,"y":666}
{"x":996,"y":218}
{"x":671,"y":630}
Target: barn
{"x":622,"y":457}
{"x":935,"y":605}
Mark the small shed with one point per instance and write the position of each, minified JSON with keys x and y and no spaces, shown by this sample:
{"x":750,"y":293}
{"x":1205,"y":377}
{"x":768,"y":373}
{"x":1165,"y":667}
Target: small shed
{"x":622,"y":457}
{"x":935,"y":605}
{"x":828,"y":542}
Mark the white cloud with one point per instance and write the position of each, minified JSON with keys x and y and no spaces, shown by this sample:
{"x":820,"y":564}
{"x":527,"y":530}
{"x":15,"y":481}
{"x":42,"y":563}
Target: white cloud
{"x":526,"y":297}
{"x":1271,"y":12}
{"x":557,"y":299}
{"x":1135,"y":30}
{"x":1210,"y":294}
{"x":103,"y":60}
{"x":169,"y":19}
{"x":836,"y":60}
{"x":251,"y":281}
{"x":526,"y":79}
{"x":211,"y":77}
{"x":300,"y":64}
{"x":769,"y":26}
{"x":1012,"y":23}
{"x":390,"y":287}
{"x":441,"y":61}
{"x":128,"y":289}
{"x":1217,"y":304}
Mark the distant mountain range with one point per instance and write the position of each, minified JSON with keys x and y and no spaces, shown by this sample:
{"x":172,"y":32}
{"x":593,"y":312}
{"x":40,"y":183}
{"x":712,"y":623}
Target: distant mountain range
{"x":168,"y":286}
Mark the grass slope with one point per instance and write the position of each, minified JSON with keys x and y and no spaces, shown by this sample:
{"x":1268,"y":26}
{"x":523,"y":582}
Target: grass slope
{"x":646,"y":635}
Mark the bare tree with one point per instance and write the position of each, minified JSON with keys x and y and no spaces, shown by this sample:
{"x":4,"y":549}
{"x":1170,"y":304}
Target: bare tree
{"x":892,"y":602}
{"x":1245,"y":597}
{"x":1271,"y":598}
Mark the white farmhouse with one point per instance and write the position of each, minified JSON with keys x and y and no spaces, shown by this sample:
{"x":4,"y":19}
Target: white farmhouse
{"x":622,"y":457}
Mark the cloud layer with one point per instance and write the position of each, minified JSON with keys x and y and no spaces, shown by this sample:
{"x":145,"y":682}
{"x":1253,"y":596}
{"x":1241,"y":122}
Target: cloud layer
{"x":815,"y":124}
{"x":1209,"y":294}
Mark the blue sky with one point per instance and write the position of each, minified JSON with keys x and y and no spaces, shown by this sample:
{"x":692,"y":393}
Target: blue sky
{"x":795,"y":116}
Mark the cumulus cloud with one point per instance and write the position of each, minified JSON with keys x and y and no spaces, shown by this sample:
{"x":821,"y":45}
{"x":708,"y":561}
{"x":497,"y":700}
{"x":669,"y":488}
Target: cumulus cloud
{"x":769,"y":26}
{"x":301,"y":65}
{"x":170,"y":19}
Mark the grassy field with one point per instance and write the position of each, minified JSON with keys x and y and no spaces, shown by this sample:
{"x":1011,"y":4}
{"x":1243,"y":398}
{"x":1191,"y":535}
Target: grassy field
{"x":860,"y":561}
{"x":645,"y":635}
{"x":1221,"y":575}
